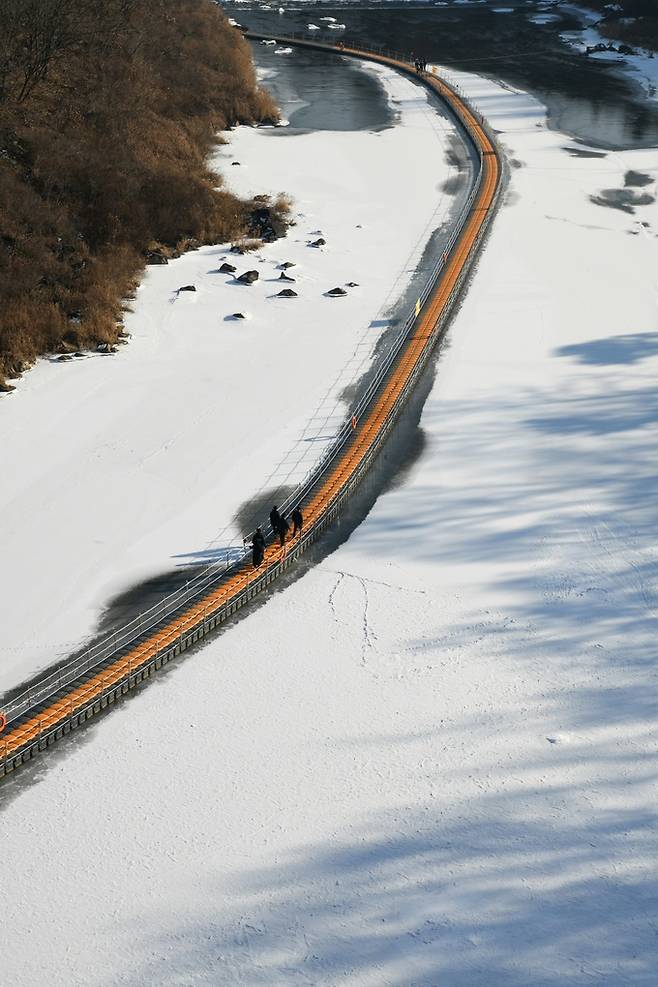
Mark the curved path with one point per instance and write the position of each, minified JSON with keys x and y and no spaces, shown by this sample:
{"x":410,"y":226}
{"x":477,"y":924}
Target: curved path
{"x":68,"y":698}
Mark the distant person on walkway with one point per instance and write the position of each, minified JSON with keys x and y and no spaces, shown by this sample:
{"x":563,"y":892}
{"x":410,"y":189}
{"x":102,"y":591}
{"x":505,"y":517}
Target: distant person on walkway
{"x":298,"y":521}
{"x":275,"y":519}
{"x":284,"y":528}
{"x":257,"y":548}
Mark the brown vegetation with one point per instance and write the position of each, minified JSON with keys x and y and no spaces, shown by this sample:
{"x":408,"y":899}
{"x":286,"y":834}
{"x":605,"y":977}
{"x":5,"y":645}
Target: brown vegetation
{"x":108,"y":109}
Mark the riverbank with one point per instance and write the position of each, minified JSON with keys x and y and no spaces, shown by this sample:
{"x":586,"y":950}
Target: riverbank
{"x":136,"y":467}
{"x":105,"y":127}
{"x":429,"y":755}
{"x":521,"y":42}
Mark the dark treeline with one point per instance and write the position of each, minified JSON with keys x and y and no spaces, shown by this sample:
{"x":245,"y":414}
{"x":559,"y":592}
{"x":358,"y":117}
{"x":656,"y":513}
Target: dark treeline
{"x":108,"y":109}
{"x":635,"y":21}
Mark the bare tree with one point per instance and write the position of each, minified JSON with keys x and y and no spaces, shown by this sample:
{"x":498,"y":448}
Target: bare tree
{"x":33,"y":34}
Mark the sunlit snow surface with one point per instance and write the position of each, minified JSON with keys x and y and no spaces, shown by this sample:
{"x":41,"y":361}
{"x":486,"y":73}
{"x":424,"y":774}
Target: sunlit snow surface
{"x":429,"y":761}
{"x":119,"y":468}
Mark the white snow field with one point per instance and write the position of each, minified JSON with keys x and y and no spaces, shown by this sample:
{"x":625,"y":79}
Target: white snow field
{"x":430,"y":761}
{"x":119,"y":468}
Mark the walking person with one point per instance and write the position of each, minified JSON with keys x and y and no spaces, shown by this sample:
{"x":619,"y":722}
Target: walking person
{"x":298,"y":521}
{"x":275,"y":519}
{"x":257,"y":548}
{"x":284,"y":528}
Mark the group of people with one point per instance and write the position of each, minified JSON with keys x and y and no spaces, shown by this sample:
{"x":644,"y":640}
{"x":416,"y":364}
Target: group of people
{"x":280,"y":527}
{"x":420,"y":64}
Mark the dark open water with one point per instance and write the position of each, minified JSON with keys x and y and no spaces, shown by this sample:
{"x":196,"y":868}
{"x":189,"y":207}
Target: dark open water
{"x":589,"y":99}
{"x":317,"y":91}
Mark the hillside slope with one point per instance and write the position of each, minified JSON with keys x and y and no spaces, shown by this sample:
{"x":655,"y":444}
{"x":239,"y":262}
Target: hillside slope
{"x":107,"y":114}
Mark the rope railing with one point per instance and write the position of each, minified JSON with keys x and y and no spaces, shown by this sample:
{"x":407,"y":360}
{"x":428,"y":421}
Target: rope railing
{"x":215,"y":572}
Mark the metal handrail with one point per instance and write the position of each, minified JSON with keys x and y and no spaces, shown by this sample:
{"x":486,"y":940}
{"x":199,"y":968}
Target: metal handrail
{"x":216,"y":572}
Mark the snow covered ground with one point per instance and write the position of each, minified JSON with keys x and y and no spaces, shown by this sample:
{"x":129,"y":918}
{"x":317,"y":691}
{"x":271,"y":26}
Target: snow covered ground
{"x":119,"y":468}
{"x":430,"y":761}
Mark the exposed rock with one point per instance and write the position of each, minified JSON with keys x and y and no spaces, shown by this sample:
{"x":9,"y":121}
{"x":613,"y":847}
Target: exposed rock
{"x":352,"y":284}
{"x":285,"y":277}
{"x":265,"y":225}
{"x":187,"y":287}
{"x":79,"y":355}
{"x":336,"y":292}
{"x":320,"y":242}
{"x":64,"y":358}
{"x":287,"y":293}
{"x":235,"y":163}
{"x":286,"y":264}
{"x":6,"y":388}
{"x":155,"y":257}
{"x":248,"y":277}
{"x":238,"y":315}
{"x":106,"y":348}
{"x":227,"y":268}
{"x":237,"y":249}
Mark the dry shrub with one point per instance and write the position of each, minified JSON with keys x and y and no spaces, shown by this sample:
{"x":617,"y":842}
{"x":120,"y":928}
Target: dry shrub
{"x":246,"y":244}
{"x":104,"y":137}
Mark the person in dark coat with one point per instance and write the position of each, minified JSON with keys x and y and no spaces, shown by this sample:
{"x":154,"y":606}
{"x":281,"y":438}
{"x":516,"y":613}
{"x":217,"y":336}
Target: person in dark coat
{"x":257,"y":548}
{"x":257,"y":553}
{"x":275,"y":519}
{"x":259,"y":537}
{"x":284,"y":528}
{"x":298,"y":521}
